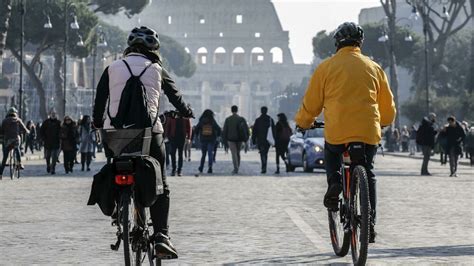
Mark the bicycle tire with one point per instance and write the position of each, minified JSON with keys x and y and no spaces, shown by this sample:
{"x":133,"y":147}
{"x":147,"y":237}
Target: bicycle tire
{"x":340,"y":240}
{"x":139,"y":218}
{"x":125,"y":202}
{"x":17,"y":167}
{"x":12,"y":164}
{"x":360,"y":222}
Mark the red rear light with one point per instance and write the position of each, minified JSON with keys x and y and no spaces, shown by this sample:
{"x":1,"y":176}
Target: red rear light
{"x":124,"y":180}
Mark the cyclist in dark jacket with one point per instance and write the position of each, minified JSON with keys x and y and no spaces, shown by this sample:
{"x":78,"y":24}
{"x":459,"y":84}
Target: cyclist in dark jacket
{"x":12,"y":128}
{"x":207,"y":130}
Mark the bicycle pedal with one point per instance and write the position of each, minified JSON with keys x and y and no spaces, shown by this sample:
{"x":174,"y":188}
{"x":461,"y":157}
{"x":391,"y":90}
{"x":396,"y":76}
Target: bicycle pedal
{"x":114,"y":247}
{"x":162,"y":256}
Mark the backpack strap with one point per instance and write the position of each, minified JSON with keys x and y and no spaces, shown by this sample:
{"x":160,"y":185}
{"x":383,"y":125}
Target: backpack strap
{"x":130,"y":70}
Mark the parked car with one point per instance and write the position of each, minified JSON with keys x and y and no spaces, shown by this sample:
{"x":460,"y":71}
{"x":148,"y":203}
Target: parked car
{"x":306,"y":150}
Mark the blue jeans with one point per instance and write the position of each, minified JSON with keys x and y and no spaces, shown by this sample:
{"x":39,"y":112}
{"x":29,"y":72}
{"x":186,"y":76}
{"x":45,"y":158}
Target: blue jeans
{"x":207,"y":148}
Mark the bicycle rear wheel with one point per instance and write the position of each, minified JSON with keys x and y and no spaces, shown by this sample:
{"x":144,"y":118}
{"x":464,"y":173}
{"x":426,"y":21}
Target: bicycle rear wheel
{"x":360,"y":215}
{"x":340,"y":240}
{"x":124,"y":217}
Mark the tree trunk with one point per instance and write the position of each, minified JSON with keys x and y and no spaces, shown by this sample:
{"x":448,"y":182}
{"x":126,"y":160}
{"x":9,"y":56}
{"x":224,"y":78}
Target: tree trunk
{"x":5,"y":13}
{"x":393,"y":66}
{"x":59,"y":82}
{"x":37,"y":83}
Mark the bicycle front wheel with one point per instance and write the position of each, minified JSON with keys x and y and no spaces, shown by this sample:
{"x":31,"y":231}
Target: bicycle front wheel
{"x":360,"y":215}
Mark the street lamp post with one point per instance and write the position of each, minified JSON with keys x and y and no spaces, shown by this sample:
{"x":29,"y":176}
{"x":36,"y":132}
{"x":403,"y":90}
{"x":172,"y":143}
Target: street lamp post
{"x":22,"y":40}
{"x":100,"y":41}
{"x":426,"y":20}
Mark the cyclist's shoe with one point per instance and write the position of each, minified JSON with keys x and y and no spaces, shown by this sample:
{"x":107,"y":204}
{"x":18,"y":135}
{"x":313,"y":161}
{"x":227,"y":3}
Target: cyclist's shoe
{"x":163,"y":247}
{"x":372,"y":235}
{"x":331,"y":199}
{"x":22,"y":167}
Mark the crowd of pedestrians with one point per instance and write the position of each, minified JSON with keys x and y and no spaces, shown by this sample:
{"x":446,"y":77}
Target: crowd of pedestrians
{"x":452,"y":139}
{"x":52,"y":137}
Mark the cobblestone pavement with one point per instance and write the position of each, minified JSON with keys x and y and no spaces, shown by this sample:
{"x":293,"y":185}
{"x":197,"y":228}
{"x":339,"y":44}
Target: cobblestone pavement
{"x":248,"y":218}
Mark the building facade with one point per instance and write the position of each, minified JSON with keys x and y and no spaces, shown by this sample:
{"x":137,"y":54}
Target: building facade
{"x":239,"y":46}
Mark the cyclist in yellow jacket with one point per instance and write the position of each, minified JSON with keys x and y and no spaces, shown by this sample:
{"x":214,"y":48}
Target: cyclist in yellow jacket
{"x":354,"y":94}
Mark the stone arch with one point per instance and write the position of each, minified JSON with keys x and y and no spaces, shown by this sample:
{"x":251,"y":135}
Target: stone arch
{"x":277,"y":55}
{"x":257,"y":56}
{"x":238,"y":56}
{"x":219,"y":56}
{"x":202,"y":56}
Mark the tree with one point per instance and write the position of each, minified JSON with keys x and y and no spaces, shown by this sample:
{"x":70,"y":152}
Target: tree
{"x":176,"y":58}
{"x":129,"y":7}
{"x":43,"y":40}
{"x":323,"y":45}
{"x":5,"y":13}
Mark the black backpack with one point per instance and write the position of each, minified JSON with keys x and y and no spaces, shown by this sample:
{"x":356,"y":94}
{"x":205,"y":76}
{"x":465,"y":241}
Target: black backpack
{"x":133,"y":111}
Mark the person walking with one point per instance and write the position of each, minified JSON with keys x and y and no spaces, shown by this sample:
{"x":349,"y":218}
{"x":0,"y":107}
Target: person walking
{"x":50,"y":134}
{"x":68,"y":143}
{"x":178,"y":130}
{"x":87,"y":137}
{"x":442,"y":142}
{"x":30,"y":137}
{"x":260,"y":136}
{"x":207,"y":130}
{"x":425,"y":137}
{"x":412,"y":141}
{"x":404,"y":138}
{"x":455,"y":135}
{"x":234,"y":134}
{"x":469,"y":145}
{"x":283,"y":133}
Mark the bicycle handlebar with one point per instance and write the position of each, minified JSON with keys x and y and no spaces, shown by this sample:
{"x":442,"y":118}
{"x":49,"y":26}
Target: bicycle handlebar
{"x":316,"y":124}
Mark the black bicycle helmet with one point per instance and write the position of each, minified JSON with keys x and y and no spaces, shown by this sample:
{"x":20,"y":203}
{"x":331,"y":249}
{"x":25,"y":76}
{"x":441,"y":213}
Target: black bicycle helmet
{"x":349,"y":32}
{"x":145,"y":36}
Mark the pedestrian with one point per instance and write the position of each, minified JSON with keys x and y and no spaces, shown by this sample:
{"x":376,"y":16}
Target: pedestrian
{"x":395,"y":140}
{"x":87,"y":138}
{"x":68,"y":143}
{"x":30,"y":138}
{"x":455,"y":136}
{"x":412,"y":141}
{"x":404,"y":138}
{"x":425,"y":137}
{"x":262,"y":137}
{"x":465,"y":126}
{"x":442,"y":142}
{"x":178,"y":131}
{"x":188,"y":144}
{"x":165,"y":118}
{"x":12,"y":128}
{"x":39,"y":140}
{"x":50,"y":133}
{"x":234,"y":134}
{"x":283,"y":133}
{"x":207,"y":130}
{"x":469,"y":144}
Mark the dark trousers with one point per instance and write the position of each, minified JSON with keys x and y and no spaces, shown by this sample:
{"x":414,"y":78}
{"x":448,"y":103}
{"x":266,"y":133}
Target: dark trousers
{"x":263,"y":150}
{"x":168,"y":153}
{"x":160,"y":210}
{"x":426,"y":150}
{"x":29,"y":143}
{"x":69,"y":157}
{"x":6,"y":150}
{"x":51,"y":156}
{"x":177,"y":146}
{"x":86,"y":158}
{"x":453,"y":159}
{"x":280,"y":152}
{"x":333,"y":158}
{"x":207,"y":148}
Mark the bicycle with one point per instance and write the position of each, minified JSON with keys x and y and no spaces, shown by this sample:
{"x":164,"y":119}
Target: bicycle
{"x":14,"y":164}
{"x":349,"y":224}
{"x":122,"y":148}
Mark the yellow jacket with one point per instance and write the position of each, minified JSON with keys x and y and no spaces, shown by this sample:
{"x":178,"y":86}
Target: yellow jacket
{"x":355,"y":95}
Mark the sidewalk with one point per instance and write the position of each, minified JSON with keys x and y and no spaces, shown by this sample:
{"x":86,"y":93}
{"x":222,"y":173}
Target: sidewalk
{"x":419,"y":156}
{"x":33,"y":157}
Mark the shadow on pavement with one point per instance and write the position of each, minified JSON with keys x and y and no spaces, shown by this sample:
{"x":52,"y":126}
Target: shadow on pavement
{"x":300,"y":259}
{"x":436,"y":251}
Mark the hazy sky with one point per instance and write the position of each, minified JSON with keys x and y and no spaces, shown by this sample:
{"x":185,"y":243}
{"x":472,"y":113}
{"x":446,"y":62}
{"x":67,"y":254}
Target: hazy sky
{"x":304,"y":18}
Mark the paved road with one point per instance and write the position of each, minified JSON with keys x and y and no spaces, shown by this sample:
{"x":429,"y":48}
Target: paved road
{"x":249,"y":218}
